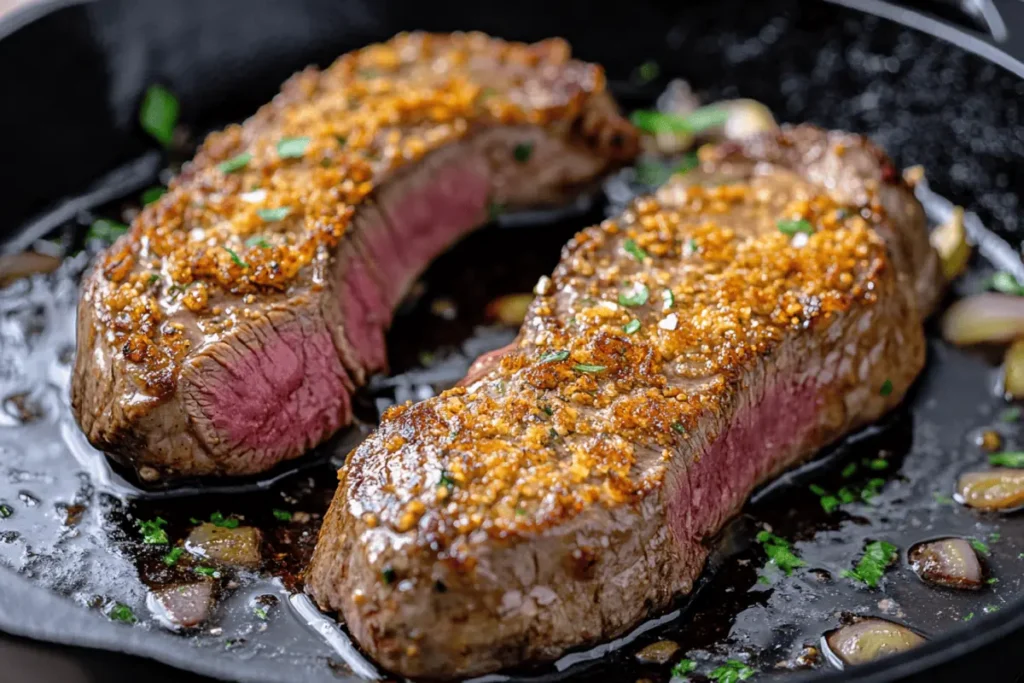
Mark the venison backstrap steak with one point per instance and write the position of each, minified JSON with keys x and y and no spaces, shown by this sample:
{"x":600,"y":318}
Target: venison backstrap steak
{"x":718,"y":332}
{"x":226,"y":331}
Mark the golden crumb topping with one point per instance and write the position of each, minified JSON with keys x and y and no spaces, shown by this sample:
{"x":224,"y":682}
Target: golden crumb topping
{"x":640,"y":331}
{"x":262,"y":205}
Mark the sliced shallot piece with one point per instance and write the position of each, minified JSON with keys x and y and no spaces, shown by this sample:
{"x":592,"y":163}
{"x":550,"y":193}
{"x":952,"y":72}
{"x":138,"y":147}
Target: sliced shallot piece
{"x":950,"y":240}
{"x":509,"y":309}
{"x":1013,"y":370}
{"x":949,"y":562}
{"x":866,"y":640}
{"x":985,"y":317}
{"x":997,"y":489}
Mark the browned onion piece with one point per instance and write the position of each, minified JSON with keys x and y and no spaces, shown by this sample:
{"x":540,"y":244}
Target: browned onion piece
{"x":509,"y":309}
{"x":997,"y":489}
{"x":1013,"y":370}
{"x":950,"y":240}
{"x":949,"y":562}
{"x":182,"y":606}
{"x":16,"y":266}
{"x":867,"y":640}
{"x":660,"y":652}
{"x":238,"y":547}
{"x":985,"y":317}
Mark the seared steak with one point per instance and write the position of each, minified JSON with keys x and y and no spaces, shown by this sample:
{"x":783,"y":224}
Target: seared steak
{"x":717,"y":333}
{"x":225,"y":332}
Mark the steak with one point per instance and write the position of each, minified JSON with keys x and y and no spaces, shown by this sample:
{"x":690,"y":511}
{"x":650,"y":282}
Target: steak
{"x":715,"y":334}
{"x":226,"y":331}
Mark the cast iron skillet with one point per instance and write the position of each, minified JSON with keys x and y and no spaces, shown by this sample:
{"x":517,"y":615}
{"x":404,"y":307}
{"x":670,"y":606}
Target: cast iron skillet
{"x":71,"y":76}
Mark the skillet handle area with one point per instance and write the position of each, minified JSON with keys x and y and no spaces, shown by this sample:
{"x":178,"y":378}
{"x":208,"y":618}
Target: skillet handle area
{"x":992,"y":29}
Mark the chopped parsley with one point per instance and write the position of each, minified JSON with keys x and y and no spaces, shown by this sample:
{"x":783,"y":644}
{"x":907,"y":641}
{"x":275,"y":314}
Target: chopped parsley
{"x":106,"y":230}
{"x":273,"y":215}
{"x":992,"y":581}
{"x":520,"y":512}
{"x":235,"y":163}
{"x":696,"y":121}
{"x":260,"y":612}
{"x":257,"y":241}
{"x":731,"y":672}
{"x":878,"y":464}
{"x":153,"y":194}
{"x":234,"y":257}
{"x":791,"y":227}
{"x":122,"y":612}
{"x":206,"y":571}
{"x":153,"y":531}
{"x":828,"y":502}
{"x":5,"y":511}
{"x":655,"y":173}
{"x":547,"y":410}
{"x":388,"y":575}
{"x":779,"y":552}
{"x":1011,"y":414}
{"x":994,"y":536}
{"x":636,"y":295}
{"x":227,"y":522}
{"x":634,"y":250}
{"x":886,"y":388}
{"x":683,"y":667}
{"x":522,"y":152}
{"x":678,"y":428}
{"x":980,"y":546}
{"x":554,"y":356}
{"x":942,"y":498}
{"x":968,"y":616}
{"x":159,"y":113}
{"x":849,"y":470}
{"x":1007,"y":459}
{"x":292,"y":148}
{"x":281,"y":515}
{"x":591,"y":369}
{"x":171,"y":558}
{"x":648,"y":71}
{"x":989,"y":609}
{"x":872,"y":489}
{"x":631,"y":327}
{"x":446,"y":480}
{"x":668,"y":299}
{"x":1006,"y":283}
{"x":878,"y":555}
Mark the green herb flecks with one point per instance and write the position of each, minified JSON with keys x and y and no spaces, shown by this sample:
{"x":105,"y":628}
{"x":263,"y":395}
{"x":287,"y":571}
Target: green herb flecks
{"x":122,"y":612}
{"x":878,"y":555}
{"x":683,"y":667}
{"x":1007,"y":459}
{"x":696,"y":121}
{"x":235,"y":163}
{"x":678,"y":428}
{"x":968,"y":616}
{"x":236,"y":258}
{"x":260,"y":612}
{"x":636,"y":295}
{"x":171,"y":558}
{"x":206,"y":571}
{"x":1006,"y":283}
{"x":273,"y":215}
{"x":631,"y":327}
{"x":655,"y":173}
{"x":153,"y":532}
{"x":872,"y":489}
{"x":446,"y":480}
{"x":886,"y":388}
{"x":647,"y":72}
{"x":281,"y":515}
{"x":992,"y":581}
{"x":292,"y":148}
{"x":388,"y":575}
{"x":159,"y":113}
{"x":106,"y":230}
{"x":153,"y":194}
{"x":588,"y":368}
{"x":668,"y":299}
{"x":989,"y":609}
{"x":793,"y":227}
{"x":849,"y":470}
{"x":5,"y":511}
{"x":554,"y":356}
{"x":1011,"y":414}
{"x":522,"y":152}
{"x":877,"y":464}
{"x":942,"y":498}
{"x":634,"y":250}
{"x":257,"y":241}
{"x":980,"y":546}
{"x":779,"y":552}
{"x":731,"y":672}
{"x":227,"y":522}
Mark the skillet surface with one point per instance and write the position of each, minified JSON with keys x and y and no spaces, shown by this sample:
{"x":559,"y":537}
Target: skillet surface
{"x":923,"y":100}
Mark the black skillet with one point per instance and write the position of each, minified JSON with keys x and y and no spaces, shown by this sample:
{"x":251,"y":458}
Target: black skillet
{"x":71,"y":76}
